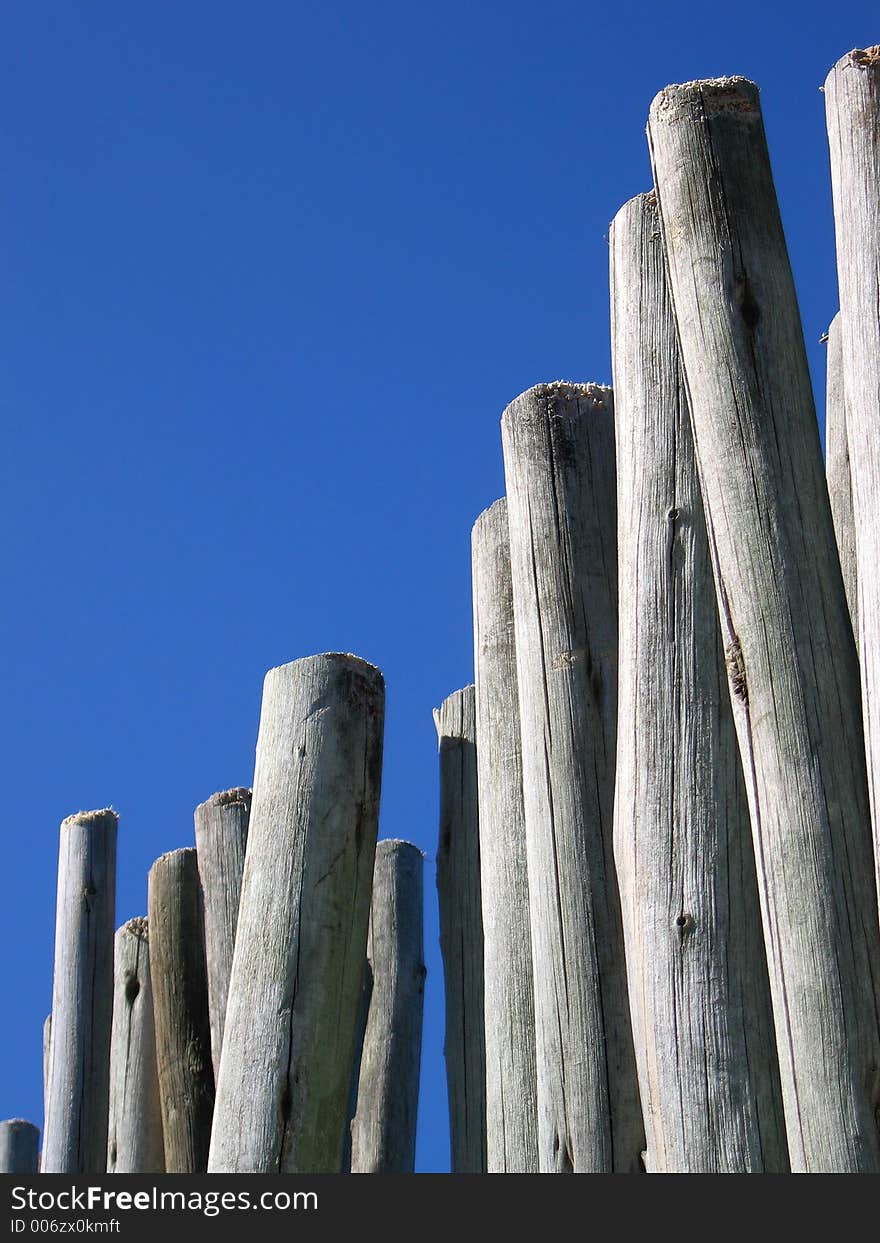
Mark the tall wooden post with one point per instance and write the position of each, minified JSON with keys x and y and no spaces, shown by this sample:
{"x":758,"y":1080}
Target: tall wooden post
{"x":838,"y":471}
{"x":19,"y":1147}
{"x":791,"y":660}
{"x":297,"y":972}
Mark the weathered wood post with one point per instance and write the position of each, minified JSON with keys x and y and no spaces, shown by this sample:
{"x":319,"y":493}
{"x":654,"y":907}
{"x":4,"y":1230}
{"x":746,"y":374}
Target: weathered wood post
{"x":511,"y":1070}
{"x":788,"y":642}
{"x":75,"y":1136}
{"x":19,"y":1147}
{"x":221,"y":826}
{"x":383,"y":1132}
{"x":698,"y":986}
{"x":134,"y":1141}
{"x":838,"y":471}
{"x":297,"y":972}
{"x":559,"y":466}
{"x":461,"y":930}
{"x":180,"y":1010}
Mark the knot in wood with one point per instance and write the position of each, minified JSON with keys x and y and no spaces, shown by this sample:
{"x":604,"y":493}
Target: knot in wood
{"x":736,"y":671}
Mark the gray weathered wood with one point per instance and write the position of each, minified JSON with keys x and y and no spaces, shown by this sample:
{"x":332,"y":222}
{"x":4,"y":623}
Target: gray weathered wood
{"x":698,"y":986}
{"x":511,"y":1071}
{"x":383,"y":1131}
{"x":47,"y":1045}
{"x":788,"y":642}
{"x":461,"y":931}
{"x":221,"y":826}
{"x":180,"y":1010}
{"x":75,"y":1137}
{"x":19,"y":1147}
{"x":134,"y":1141}
{"x":838,"y":471}
{"x":297,"y":972}
{"x":559,"y":466}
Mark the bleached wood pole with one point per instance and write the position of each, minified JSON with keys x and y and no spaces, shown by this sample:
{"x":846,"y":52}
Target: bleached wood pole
{"x":789,"y":650}
{"x":698,"y":986}
{"x":838,"y":471}
{"x":75,"y":1136}
{"x":559,"y":466}
{"x":221,"y":826}
{"x":134,"y":1141}
{"x":180,"y":1010}
{"x":19,"y":1147}
{"x":461,"y":931}
{"x":383,"y":1132}
{"x":297,"y":971}
{"x":47,"y":1046}
{"x":511,"y":1070}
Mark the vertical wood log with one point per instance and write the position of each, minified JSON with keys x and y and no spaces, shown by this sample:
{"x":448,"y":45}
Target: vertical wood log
{"x":221,"y":826}
{"x":383,"y":1133}
{"x":788,"y":642}
{"x":838,"y":471}
{"x":180,"y":1010}
{"x":360,"y":1034}
{"x":461,"y":931}
{"x":297,"y":972}
{"x":698,"y":986}
{"x":19,"y":1147}
{"x":134,"y":1141}
{"x":559,"y":465}
{"x":511,"y":1069}
{"x":75,"y":1137}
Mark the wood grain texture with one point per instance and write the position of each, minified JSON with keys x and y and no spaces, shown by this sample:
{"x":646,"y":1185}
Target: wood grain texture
{"x":383,"y":1132}
{"x":511,"y":1071}
{"x":461,"y":931}
{"x":180,"y":1010}
{"x":19,"y":1147}
{"x":297,"y":971}
{"x":134,"y":1140}
{"x":221,"y":827}
{"x":788,"y":642}
{"x":559,"y":467}
{"x":838,"y":471}
{"x":75,"y":1138}
{"x":698,"y":986}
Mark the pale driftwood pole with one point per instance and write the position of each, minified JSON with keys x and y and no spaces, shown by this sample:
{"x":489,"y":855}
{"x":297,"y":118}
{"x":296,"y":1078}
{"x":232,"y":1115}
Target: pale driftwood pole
{"x":461,"y":931}
{"x":838,"y":471}
{"x":698,"y":986}
{"x":134,"y":1141}
{"x":383,"y":1132}
{"x":297,"y":972}
{"x":559,"y":465}
{"x":221,"y":826}
{"x":180,"y":1010}
{"x":791,"y":660}
{"x":511,"y":1070}
{"x":19,"y":1147}
{"x":75,"y":1137}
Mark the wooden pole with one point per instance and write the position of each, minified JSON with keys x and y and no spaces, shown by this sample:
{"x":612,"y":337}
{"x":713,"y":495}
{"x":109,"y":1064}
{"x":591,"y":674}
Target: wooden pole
{"x":75,"y":1137}
{"x":461,"y":931}
{"x":698,"y":985}
{"x":297,"y":972}
{"x":559,"y":465}
{"x":511,"y":1070}
{"x":221,"y":826}
{"x":789,"y":650}
{"x":838,"y":471}
{"x":47,"y":1045}
{"x":134,"y":1142}
{"x":180,"y":1010}
{"x":383,"y":1133}
{"x":19,"y":1147}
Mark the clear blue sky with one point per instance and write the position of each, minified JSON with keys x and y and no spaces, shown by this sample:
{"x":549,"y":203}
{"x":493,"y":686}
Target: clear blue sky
{"x":271,"y":271}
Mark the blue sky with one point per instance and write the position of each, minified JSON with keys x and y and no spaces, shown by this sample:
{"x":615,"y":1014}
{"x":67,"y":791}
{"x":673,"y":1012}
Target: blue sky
{"x":270,"y":274}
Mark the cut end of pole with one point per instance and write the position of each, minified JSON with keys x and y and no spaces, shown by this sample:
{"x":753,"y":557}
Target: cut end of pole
{"x":239,"y":796}
{"x":391,"y":845}
{"x":496,"y":512}
{"x":714,"y":96}
{"x":560,"y":396}
{"x":862,"y":57}
{"x":451,"y":717}
{"x":370,"y":673}
{"x":137,"y":927}
{"x":105,"y":817}
{"x":20,"y":1124}
{"x":174,"y":856}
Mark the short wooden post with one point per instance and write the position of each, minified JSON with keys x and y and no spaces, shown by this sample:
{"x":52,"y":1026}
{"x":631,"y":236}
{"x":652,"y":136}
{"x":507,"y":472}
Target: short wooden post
{"x":511,"y":1070}
{"x":75,"y":1137}
{"x":134,"y":1142}
{"x":383,"y":1132}
{"x":838,"y":471}
{"x":221,"y":826}
{"x":461,"y":931}
{"x":789,"y":650}
{"x":19,"y":1147}
{"x":559,"y":466}
{"x":180,"y":1010}
{"x":698,"y":985}
{"x":297,"y":972}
